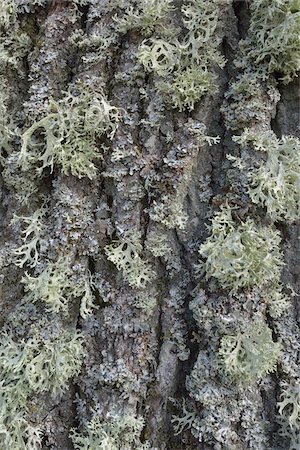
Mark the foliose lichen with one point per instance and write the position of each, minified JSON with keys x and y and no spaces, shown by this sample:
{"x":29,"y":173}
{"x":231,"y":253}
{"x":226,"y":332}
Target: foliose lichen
{"x":241,"y":255}
{"x":113,"y":433}
{"x":70,"y":132}
{"x":251,"y":354}
{"x":275,"y":184}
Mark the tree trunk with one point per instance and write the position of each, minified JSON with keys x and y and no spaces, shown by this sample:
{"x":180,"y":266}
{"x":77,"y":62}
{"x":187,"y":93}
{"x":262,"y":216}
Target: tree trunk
{"x":117,"y":122}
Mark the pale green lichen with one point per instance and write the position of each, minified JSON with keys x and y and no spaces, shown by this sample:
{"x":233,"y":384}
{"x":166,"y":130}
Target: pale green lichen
{"x":6,"y":129}
{"x":31,"y":366}
{"x":242,"y":255}
{"x":56,"y":287}
{"x":184,"y":422}
{"x":277,"y":300}
{"x":274,"y":38}
{"x":251,"y":354}
{"x":52,"y":286}
{"x":170,"y":210}
{"x":113,"y":433}
{"x":276,"y":183}
{"x":7,"y":13}
{"x":28,"y":252}
{"x":198,"y":55}
{"x":13,"y":49}
{"x":289,"y":413}
{"x":184,"y":64}
{"x":189,"y":86}
{"x":69,"y":133}
{"x":289,"y":405}
{"x":147,"y":16}
{"x":158,"y":56}
{"x":125,"y":254}
{"x":248,"y":101}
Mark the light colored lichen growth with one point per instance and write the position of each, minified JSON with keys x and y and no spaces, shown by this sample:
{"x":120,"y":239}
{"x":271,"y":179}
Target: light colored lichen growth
{"x":181,"y":56}
{"x":147,"y":16}
{"x":159,"y":56}
{"x":7,"y":13}
{"x":289,"y":413}
{"x":31,"y":236}
{"x":275,"y":184}
{"x":274,"y":38}
{"x":241,"y":255}
{"x":6,"y":129}
{"x":67,"y":136}
{"x":58,"y":289}
{"x":114,"y":433}
{"x":197,"y":55}
{"x":251,"y":354}
{"x":125,"y":255}
{"x":29,"y":367}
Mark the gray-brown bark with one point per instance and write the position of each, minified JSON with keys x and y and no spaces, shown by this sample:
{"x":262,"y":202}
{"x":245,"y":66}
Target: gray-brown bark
{"x":143,"y":345}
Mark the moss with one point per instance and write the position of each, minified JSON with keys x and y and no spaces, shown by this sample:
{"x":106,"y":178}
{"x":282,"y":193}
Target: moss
{"x":242,"y":255}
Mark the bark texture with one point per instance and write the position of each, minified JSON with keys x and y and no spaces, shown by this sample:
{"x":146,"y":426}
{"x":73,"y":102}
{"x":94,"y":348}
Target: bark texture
{"x":127,"y":235}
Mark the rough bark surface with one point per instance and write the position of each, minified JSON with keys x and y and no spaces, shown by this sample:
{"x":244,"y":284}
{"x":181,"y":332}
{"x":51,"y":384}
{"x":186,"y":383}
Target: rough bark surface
{"x":142,"y":345}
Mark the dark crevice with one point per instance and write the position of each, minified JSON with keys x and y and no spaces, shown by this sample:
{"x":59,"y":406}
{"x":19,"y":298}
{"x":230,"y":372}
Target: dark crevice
{"x":241,"y":10}
{"x":286,"y":120}
{"x":84,"y":10}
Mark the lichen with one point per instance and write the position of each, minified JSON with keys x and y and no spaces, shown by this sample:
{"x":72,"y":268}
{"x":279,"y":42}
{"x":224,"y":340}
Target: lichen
{"x":113,"y":433}
{"x":188,"y":87}
{"x":158,"y":55}
{"x":275,"y":184}
{"x":34,"y":365}
{"x":31,"y":236}
{"x":274,"y":41}
{"x":57,"y":288}
{"x":182,"y":59}
{"x":241,"y":255}
{"x":70,"y":131}
{"x":251,"y":354}
{"x":147,"y":16}
{"x":289,"y":413}
{"x":125,"y":254}
{"x":7,"y":13}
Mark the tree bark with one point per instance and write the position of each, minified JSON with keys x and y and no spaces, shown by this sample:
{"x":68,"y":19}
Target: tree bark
{"x":143,"y":346}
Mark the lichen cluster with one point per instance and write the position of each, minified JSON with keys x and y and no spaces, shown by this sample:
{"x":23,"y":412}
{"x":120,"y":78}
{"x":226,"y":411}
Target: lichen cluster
{"x":182,"y":59}
{"x":274,"y":37}
{"x":275,"y":184}
{"x":33,"y":366}
{"x":115,"y":433}
{"x":241,"y":255}
{"x":70,"y":130}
